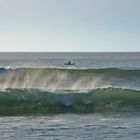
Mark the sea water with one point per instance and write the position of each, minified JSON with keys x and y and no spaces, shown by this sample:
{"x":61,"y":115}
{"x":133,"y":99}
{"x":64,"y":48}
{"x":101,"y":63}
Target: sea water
{"x":123,"y":68}
{"x":71,"y":127}
{"x":82,"y":60}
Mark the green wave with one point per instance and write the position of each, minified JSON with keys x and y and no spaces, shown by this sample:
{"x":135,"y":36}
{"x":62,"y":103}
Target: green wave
{"x":30,"y":102}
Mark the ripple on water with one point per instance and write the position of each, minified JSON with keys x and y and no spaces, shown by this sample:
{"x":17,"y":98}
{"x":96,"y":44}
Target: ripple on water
{"x":71,"y":126}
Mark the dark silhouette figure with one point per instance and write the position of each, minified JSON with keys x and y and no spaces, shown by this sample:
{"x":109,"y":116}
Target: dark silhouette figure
{"x":69,"y":63}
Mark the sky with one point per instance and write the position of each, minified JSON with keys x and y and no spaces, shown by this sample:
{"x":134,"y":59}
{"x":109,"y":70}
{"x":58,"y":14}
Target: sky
{"x":69,"y":25}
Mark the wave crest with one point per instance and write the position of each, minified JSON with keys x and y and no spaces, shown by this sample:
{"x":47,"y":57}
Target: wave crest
{"x":53,"y":78}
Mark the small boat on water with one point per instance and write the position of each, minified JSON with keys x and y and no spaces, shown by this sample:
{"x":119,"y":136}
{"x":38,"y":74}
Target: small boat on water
{"x":69,"y":63}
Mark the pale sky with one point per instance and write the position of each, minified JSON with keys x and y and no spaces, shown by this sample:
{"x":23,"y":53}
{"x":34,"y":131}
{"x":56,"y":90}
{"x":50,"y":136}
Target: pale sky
{"x":70,"y":25}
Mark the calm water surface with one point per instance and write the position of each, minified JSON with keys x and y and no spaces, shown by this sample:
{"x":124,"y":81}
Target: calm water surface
{"x":82,"y":60}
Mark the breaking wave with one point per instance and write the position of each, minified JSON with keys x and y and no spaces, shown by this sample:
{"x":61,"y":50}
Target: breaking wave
{"x":53,"y":90}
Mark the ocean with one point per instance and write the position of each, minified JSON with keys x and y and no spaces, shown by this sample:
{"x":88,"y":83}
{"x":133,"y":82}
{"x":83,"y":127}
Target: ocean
{"x":96,"y":98}
{"x":128,"y":60}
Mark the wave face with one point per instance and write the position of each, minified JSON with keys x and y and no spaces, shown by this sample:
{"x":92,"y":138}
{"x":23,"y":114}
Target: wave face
{"x":52,"y":90}
{"x":23,"y":101}
{"x":54,"y":79}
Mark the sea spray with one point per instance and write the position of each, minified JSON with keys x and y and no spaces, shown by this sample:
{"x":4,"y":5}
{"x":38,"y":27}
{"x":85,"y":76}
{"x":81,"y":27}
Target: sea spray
{"x":53,"y":78}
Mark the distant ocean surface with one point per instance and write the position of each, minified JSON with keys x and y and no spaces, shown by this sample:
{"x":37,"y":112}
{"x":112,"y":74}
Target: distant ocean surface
{"x":82,"y":60}
{"x":97,"y":98}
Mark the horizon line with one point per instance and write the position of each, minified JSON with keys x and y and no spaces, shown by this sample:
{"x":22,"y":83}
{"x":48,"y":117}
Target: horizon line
{"x":70,"y":52}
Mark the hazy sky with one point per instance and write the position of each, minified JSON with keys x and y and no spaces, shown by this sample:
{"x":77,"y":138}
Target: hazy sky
{"x":70,"y":25}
